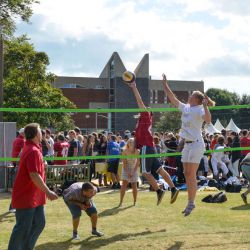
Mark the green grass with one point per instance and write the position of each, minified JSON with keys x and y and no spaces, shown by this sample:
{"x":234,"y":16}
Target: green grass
{"x":146,"y":226}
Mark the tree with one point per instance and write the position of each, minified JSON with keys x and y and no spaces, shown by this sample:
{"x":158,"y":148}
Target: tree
{"x":27,"y":84}
{"x":244,"y":114}
{"x":11,"y":9}
{"x":169,"y":121}
{"x":223,"y":97}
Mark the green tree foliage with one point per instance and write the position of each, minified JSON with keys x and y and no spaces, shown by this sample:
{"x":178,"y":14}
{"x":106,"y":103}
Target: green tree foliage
{"x":224,"y":97}
{"x":11,"y":9}
{"x":27,"y":84}
{"x":169,"y":121}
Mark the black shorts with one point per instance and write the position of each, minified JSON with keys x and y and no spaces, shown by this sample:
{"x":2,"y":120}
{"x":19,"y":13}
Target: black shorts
{"x":113,"y":166}
{"x":149,"y":164}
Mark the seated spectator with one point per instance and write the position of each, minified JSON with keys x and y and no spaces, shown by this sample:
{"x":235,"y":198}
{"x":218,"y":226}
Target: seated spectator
{"x":217,"y":160}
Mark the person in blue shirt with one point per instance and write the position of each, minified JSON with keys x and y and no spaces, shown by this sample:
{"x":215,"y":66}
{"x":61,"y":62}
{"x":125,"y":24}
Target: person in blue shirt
{"x":114,"y":148}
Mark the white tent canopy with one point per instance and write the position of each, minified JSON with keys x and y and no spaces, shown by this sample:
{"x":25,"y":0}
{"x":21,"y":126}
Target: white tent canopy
{"x":210,"y":129}
{"x":218,"y":125}
{"x":232,"y":127}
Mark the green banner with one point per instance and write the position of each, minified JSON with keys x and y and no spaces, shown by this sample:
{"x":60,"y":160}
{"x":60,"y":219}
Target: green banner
{"x":106,"y":157}
{"x":135,"y":110}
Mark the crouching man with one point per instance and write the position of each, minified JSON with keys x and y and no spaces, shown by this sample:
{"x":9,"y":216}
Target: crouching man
{"x":78,"y":197}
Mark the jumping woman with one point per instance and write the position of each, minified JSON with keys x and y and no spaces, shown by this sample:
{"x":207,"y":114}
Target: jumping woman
{"x":194,"y":113}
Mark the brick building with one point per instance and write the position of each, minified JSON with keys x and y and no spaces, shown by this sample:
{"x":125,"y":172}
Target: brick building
{"x":109,"y":91}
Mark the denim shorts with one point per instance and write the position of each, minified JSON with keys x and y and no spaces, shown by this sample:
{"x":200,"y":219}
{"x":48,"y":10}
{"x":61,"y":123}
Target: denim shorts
{"x":76,"y":211}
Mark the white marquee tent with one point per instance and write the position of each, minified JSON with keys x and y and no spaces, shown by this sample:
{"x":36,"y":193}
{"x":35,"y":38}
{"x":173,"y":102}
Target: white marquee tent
{"x":210,"y":129}
{"x":232,"y":127}
{"x":218,"y":125}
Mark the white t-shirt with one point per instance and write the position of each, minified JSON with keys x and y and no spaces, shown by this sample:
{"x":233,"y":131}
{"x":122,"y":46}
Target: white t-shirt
{"x":191,"y":122}
{"x":51,"y":143}
{"x":219,"y":156}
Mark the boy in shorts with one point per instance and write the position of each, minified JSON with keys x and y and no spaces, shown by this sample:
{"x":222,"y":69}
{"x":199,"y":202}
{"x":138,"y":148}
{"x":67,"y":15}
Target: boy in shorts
{"x":78,"y":197}
{"x":145,"y":142}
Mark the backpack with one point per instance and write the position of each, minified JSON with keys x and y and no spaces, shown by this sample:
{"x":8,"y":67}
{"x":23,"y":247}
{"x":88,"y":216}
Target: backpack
{"x":216,"y":198}
{"x":233,"y":188}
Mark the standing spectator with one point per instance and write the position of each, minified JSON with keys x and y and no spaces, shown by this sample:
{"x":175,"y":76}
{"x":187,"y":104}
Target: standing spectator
{"x":235,"y":155}
{"x":45,"y":144}
{"x":80,"y":140}
{"x":50,"y":141}
{"x":61,"y":148}
{"x":121,"y":142}
{"x":130,"y":170}
{"x":245,"y":142}
{"x":29,"y":192}
{"x":214,"y":141}
{"x":73,"y":146}
{"x":102,"y":150}
{"x":113,"y":164}
{"x":88,"y":151}
{"x":17,"y":147}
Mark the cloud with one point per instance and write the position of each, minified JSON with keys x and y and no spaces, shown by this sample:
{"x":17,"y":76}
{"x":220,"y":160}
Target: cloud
{"x":188,"y":39}
{"x":224,"y":66}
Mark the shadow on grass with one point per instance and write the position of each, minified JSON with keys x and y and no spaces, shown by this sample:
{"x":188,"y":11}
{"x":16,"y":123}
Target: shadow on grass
{"x":242,"y":207}
{"x":95,"y":242}
{"x":113,"y":211}
{"x":7,"y":217}
{"x":176,"y":246}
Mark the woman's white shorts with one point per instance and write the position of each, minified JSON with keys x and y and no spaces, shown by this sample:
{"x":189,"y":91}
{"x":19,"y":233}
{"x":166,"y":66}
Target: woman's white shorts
{"x":193,"y":152}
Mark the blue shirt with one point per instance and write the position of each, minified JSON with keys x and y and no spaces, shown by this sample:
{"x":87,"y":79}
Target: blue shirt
{"x":113,"y":149}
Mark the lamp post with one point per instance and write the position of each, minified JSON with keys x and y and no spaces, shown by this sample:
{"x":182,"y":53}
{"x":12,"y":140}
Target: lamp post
{"x":96,"y":120}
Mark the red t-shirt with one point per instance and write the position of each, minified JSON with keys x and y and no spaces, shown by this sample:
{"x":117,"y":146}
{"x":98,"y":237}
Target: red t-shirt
{"x":245,"y":142}
{"x":17,"y":146}
{"x":213,"y":143}
{"x":143,"y":133}
{"x":25,"y":193}
{"x":61,"y":148}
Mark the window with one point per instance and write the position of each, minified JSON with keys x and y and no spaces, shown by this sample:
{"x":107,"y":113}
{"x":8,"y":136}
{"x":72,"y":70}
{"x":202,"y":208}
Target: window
{"x":112,"y":69}
{"x":151,"y":96}
{"x":155,"y":96}
{"x":165,"y":99}
{"x":69,"y":86}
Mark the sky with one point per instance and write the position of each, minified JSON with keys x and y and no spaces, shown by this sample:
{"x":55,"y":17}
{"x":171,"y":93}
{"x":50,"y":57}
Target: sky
{"x":205,"y":40}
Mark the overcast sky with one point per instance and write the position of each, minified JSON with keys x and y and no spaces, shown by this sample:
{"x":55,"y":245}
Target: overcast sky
{"x":187,"y":39}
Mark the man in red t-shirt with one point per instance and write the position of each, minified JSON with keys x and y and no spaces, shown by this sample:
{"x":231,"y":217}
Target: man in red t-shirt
{"x":245,"y":142}
{"x":145,"y":142}
{"x":61,"y":148}
{"x":29,"y":192}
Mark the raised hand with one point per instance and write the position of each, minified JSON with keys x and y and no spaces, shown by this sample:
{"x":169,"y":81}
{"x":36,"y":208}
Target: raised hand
{"x":164,"y":77}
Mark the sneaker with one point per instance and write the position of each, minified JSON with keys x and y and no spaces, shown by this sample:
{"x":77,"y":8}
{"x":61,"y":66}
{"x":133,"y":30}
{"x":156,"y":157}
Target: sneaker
{"x":12,"y":210}
{"x":190,"y":207}
{"x":244,"y":198}
{"x":118,"y":186}
{"x":174,"y":195}
{"x":113,"y":186}
{"x":160,"y":195}
{"x":97,"y":233}
{"x":75,"y":236}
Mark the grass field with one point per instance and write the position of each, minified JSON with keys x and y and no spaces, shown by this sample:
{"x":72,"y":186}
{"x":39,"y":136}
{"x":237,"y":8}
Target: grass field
{"x":146,"y":226}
